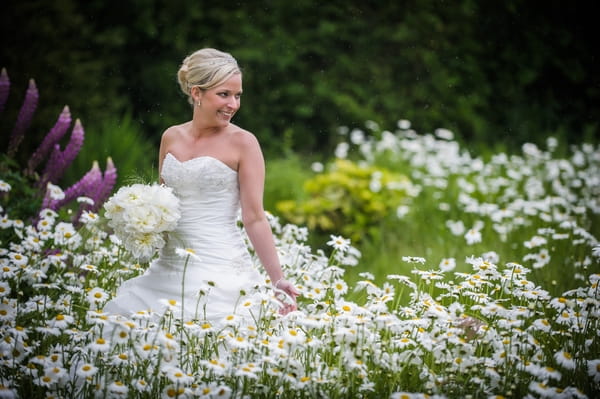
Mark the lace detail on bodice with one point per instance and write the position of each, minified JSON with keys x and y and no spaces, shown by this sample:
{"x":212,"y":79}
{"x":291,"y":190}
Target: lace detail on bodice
{"x":209,"y":197}
{"x":198,"y":176}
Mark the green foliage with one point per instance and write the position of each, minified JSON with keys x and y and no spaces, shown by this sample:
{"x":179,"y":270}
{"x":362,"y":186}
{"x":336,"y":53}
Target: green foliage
{"x":122,"y":140}
{"x":284,"y":180}
{"x":24,"y":199}
{"x":350,"y":199}
{"x":495,"y":72}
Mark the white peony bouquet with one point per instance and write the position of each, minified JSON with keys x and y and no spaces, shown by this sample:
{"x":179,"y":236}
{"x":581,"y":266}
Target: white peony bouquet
{"x":140,"y":215}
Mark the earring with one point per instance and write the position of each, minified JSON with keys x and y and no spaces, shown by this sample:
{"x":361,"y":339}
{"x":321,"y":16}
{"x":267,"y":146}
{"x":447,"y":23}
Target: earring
{"x":199,"y":103}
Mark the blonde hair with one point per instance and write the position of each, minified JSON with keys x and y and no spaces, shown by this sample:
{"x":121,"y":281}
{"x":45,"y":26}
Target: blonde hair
{"x":205,"y":68}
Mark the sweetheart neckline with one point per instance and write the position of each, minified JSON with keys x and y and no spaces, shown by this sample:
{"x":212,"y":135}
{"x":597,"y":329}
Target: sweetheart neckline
{"x":200,"y":157}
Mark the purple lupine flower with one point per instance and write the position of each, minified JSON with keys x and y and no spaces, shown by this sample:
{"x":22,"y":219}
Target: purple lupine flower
{"x":89,"y":181}
{"x":24,"y":117}
{"x":54,"y":165}
{"x":4,"y":88}
{"x":53,"y":136}
{"x":108,"y":182}
{"x":59,"y":160}
{"x":74,"y":145}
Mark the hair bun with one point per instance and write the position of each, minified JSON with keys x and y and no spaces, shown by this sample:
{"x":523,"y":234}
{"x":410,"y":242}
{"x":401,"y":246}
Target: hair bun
{"x":205,"y":68}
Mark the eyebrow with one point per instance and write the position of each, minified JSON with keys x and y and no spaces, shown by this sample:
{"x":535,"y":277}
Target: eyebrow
{"x":229,"y":91}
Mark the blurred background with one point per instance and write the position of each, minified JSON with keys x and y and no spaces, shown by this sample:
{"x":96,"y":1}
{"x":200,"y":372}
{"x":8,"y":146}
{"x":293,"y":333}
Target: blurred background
{"x":498,"y":73}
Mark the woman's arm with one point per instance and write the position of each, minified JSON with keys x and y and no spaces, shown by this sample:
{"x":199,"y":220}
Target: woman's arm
{"x":251,"y":175}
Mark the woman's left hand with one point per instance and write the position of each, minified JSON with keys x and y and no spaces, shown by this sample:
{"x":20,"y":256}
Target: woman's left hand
{"x":289,"y":303}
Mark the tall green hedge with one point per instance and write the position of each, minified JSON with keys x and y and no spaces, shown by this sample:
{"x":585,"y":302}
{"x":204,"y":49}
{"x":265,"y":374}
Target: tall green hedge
{"x":496,"y":72}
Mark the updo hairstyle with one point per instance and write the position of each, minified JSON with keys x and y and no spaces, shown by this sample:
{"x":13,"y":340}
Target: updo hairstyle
{"x":205,"y":68}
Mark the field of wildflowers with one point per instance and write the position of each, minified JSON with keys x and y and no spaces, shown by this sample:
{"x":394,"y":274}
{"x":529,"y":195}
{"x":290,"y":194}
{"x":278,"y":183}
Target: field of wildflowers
{"x":489,"y":330}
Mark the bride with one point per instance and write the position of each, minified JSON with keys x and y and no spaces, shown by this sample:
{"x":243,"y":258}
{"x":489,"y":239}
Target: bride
{"x":215,"y":168}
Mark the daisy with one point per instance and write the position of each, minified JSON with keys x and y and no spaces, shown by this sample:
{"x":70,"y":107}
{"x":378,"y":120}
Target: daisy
{"x":46,"y":380}
{"x":187,"y":252}
{"x":316,"y":292}
{"x":546,"y":373}
{"x":214,"y":390}
{"x":542,"y":389}
{"x":341,"y":150}
{"x":215,"y":366}
{"x":473,"y":236}
{"x":61,"y":321}
{"x":413,"y":259}
{"x":177,"y":376}
{"x":403,"y":343}
{"x":542,"y":325}
{"x":96,"y":296}
{"x":48,"y":213}
{"x":58,"y":373}
{"x":565,"y":359}
{"x":457,"y":228}
{"x":5,"y":222}
{"x":54,"y":192}
{"x":447,"y":264}
{"x":86,"y":370}
{"x":339,"y":243}
{"x":294,"y":336}
{"x":340,"y":287}
{"x":172,"y":304}
{"x":593,"y":369}
{"x":7,"y":392}
{"x":402,"y":279}
{"x":4,"y":186}
{"x":85,"y":200}
{"x":239,"y":342}
{"x":174,"y":391}
{"x":247,"y":370}
{"x":317,"y":167}
{"x":406,"y":395}
{"x":45,"y":224}
{"x":99,"y":345}
{"x":141,"y":385}
{"x":560,"y":303}
{"x":118,"y":389}
{"x":88,"y":217}
{"x":18,"y":259}
{"x":121,"y":358}
{"x":535,"y":241}
{"x":4,"y":288}
{"x":540,"y":259}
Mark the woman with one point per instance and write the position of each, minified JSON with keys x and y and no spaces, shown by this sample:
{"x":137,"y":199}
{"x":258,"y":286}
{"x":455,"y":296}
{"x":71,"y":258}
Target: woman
{"x":214,"y":167}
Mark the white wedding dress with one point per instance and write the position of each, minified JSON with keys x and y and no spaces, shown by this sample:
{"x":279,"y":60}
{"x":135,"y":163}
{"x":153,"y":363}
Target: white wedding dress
{"x":208,"y":288}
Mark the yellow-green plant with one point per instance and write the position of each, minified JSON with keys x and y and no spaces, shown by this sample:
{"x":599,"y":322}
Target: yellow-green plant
{"x":350,"y":198}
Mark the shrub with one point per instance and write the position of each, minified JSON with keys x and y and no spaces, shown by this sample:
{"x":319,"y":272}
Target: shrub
{"x":350,"y":198}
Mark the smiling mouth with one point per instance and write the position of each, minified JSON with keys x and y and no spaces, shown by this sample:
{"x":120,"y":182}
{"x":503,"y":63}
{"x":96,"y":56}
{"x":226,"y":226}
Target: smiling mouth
{"x":226,"y":114}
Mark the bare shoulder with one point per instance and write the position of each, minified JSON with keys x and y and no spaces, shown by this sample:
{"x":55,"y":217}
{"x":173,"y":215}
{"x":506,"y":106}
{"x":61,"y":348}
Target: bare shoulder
{"x":243,"y":139}
{"x":174,"y":131}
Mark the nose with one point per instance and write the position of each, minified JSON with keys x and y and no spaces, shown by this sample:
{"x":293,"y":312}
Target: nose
{"x":234,"y":103}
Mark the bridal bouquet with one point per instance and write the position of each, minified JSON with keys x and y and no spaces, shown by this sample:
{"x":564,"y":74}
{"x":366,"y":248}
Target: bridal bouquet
{"x":140,"y":215}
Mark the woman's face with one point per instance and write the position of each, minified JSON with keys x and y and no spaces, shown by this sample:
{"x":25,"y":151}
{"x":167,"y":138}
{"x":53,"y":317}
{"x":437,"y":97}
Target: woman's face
{"x":220,"y":103}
